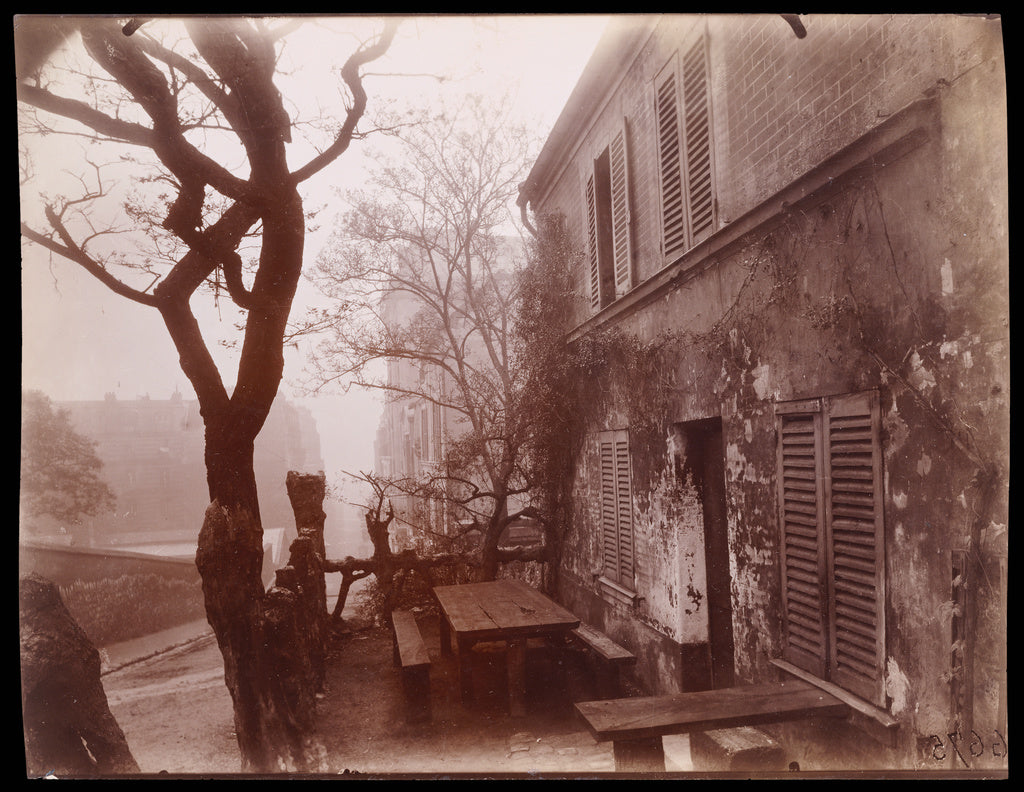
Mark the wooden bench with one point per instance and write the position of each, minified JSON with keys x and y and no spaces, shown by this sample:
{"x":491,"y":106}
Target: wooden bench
{"x":608,"y":659}
{"x":635,"y":726}
{"x":410,"y":654}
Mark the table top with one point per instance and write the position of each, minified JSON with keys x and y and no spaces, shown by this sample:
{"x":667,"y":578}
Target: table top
{"x":748,"y":705}
{"x":500,"y":609}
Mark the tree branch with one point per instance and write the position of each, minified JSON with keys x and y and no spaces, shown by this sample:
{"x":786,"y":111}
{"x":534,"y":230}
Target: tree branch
{"x":350,"y":73}
{"x":73,"y":252}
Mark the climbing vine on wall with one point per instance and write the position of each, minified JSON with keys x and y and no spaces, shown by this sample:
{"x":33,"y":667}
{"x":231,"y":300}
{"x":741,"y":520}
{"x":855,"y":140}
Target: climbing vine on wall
{"x":846,"y":277}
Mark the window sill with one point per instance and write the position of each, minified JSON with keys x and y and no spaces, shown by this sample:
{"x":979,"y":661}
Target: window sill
{"x":613,"y":592}
{"x":877,"y":723}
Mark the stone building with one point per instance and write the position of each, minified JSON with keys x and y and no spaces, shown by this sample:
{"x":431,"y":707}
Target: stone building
{"x":799,"y":465}
{"x":152,"y":454}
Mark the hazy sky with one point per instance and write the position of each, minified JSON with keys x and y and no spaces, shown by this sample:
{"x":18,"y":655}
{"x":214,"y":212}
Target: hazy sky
{"x":80,"y":341}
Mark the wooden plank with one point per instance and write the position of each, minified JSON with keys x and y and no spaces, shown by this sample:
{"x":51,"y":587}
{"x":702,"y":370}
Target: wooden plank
{"x":411,"y":648}
{"x":462,"y":607}
{"x":501,"y":608}
{"x":518,"y":608}
{"x":653,"y":716}
{"x":603,"y":645}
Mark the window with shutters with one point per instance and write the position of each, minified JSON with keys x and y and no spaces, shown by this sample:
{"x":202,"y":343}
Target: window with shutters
{"x":607,"y":221}
{"x":682,"y":109}
{"x":616,"y":510}
{"x":832,"y":539}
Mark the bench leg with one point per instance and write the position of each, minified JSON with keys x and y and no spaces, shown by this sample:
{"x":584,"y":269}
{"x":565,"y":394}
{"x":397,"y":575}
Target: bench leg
{"x":639,"y":756}
{"x":416,"y":686}
{"x":517,"y":676}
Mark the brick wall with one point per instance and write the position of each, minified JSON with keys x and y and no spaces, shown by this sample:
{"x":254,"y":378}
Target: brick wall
{"x":780,"y":106}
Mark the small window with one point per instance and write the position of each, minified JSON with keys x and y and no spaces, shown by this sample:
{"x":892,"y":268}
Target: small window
{"x":608,"y":220}
{"x":682,"y":108}
{"x":832,"y":539}
{"x":617,"y":509}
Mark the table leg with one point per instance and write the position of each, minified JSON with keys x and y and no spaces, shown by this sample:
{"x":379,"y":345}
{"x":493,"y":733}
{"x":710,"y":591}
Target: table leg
{"x":465,"y":664}
{"x":446,"y":635}
{"x":517,"y":676}
{"x":639,"y":756}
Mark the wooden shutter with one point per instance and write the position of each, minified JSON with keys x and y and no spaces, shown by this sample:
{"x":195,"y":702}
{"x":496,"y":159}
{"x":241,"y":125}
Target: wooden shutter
{"x":609,"y":510}
{"x":673,"y":211}
{"x":853,"y":484}
{"x":801,"y":517}
{"x":697,"y":131}
{"x":616,"y":508}
{"x":621,"y":247}
{"x":624,"y":504}
{"x":595,"y":271}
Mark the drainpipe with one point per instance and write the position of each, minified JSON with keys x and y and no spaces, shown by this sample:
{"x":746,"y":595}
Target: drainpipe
{"x":522,"y":201}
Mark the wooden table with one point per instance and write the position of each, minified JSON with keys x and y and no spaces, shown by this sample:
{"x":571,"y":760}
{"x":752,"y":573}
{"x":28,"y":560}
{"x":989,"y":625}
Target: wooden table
{"x":499,"y":610}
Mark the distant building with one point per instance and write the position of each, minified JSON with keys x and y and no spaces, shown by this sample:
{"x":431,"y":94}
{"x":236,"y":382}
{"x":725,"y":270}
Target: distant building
{"x":416,"y":426}
{"x":152,"y":454}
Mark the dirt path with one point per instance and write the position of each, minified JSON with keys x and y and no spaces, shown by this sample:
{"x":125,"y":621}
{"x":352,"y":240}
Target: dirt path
{"x":177,"y":718}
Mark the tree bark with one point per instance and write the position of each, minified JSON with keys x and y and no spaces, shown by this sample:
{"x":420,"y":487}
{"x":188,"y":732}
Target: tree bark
{"x":254,"y":629}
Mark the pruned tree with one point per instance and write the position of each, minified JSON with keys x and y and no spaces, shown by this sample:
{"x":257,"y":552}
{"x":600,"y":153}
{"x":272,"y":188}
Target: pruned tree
{"x":60,"y":471}
{"x":192,"y":106}
{"x":421,"y":277}
{"x":391,"y":569}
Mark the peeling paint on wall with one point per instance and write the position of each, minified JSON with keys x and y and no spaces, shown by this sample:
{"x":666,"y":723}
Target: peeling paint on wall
{"x":762,"y":382}
{"x":896,"y":430}
{"x":920,"y":377}
{"x":897,"y":687}
{"x":947,"y":277}
{"x":924,"y":465}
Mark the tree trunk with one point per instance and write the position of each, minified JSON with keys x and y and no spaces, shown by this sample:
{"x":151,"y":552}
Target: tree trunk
{"x":272,"y":721}
{"x":306,"y":492}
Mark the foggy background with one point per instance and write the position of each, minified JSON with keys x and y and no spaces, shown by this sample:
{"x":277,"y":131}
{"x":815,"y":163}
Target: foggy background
{"x":80,"y":341}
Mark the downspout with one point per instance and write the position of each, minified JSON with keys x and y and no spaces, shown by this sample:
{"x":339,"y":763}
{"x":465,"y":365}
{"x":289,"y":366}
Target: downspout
{"x":525,"y":190}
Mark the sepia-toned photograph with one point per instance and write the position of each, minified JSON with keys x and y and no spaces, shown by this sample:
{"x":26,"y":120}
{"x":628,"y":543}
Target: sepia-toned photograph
{"x":513,"y":396}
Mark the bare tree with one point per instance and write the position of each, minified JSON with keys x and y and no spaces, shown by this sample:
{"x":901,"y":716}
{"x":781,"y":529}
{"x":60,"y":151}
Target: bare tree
{"x":167,"y":105}
{"x":421,"y":274}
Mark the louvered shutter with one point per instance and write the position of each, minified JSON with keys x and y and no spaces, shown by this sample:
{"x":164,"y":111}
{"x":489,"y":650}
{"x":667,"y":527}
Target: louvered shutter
{"x":802,"y":522}
{"x":673,"y":211}
{"x":621,"y":247}
{"x":853,"y":484}
{"x":616,"y":508}
{"x":697,"y":143}
{"x":595,"y":271}
{"x":609,"y":510}
{"x":624,"y":505}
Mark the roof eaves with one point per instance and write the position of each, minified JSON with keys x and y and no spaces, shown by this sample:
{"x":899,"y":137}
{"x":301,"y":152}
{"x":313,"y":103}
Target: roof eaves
{"x":623,"y":36}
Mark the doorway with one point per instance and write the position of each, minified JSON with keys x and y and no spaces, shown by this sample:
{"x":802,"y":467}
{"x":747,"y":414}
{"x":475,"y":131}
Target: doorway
{"x":701,"y":460}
